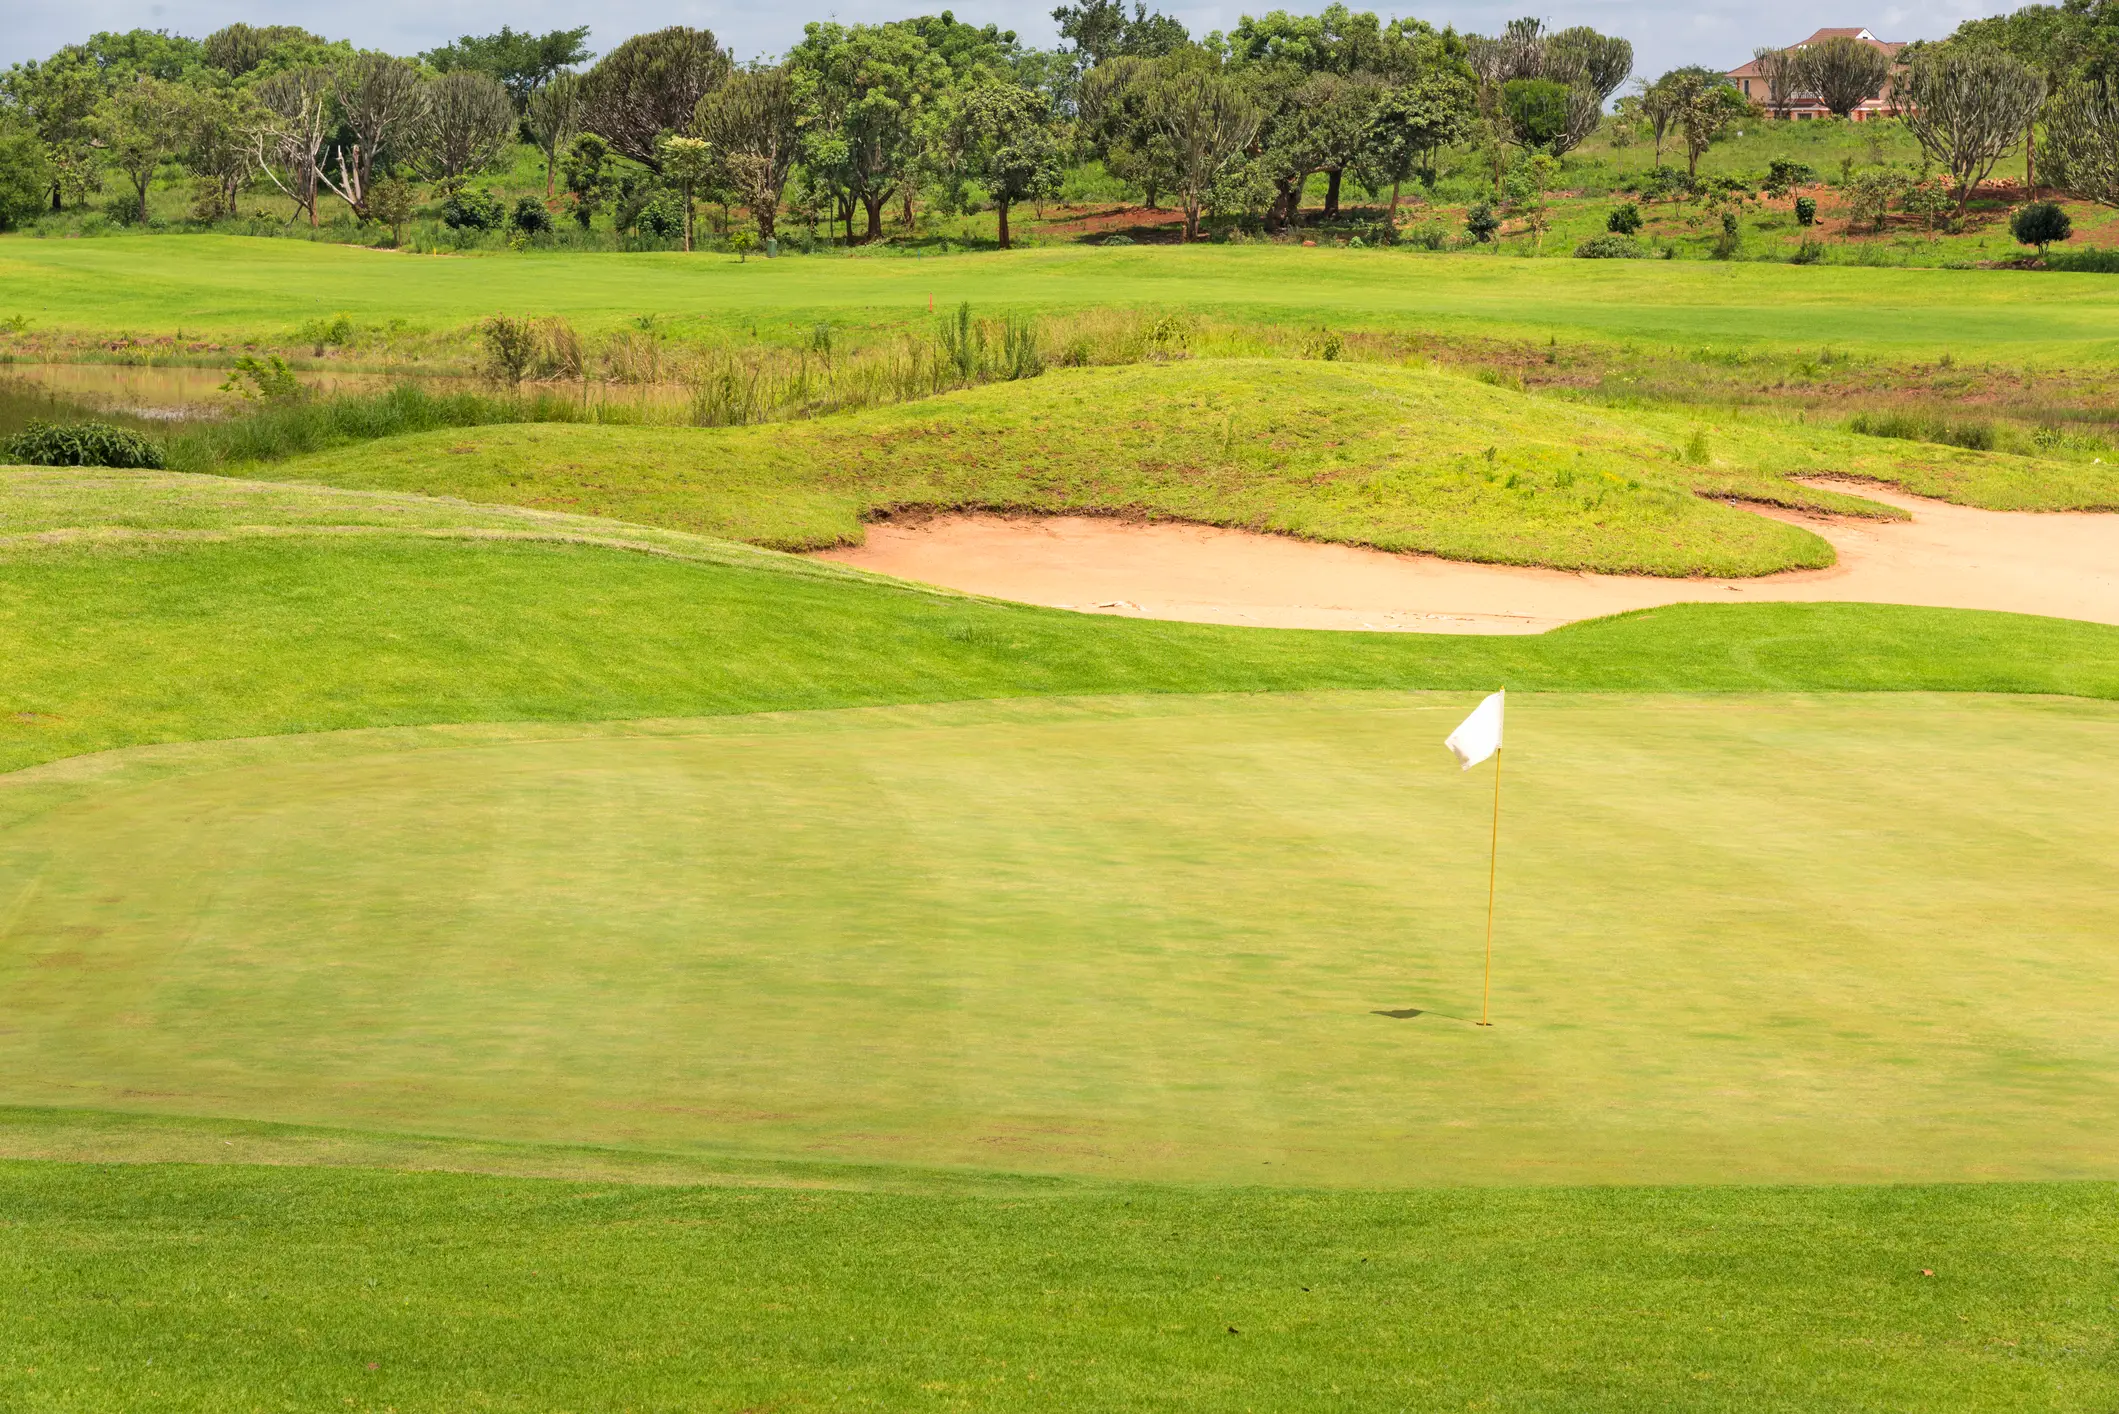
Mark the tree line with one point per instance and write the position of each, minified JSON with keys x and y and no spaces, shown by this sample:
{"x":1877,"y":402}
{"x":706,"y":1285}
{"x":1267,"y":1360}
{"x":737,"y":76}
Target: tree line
{"x":858,"y":121}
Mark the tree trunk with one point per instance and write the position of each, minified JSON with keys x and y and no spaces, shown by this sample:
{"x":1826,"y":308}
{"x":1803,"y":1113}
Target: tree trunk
{"x":143,"y":185}
{"x":874,"y":204}
{"x":1191,"y":218}
{"x":1001,"y":207}
{"x":2030,"y":156}
{"x":1331,"y":195}
{"x":687,"y":188}
{"x":766,"y":212}
{"x":906,"y":197}
{"x":1294,"y":202}
{"x":1395,"y":182}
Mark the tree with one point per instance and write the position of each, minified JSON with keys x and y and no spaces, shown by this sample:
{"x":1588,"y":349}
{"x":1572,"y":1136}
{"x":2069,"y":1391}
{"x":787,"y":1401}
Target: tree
{"x":1001,"y":137}
{"x":1588,"y":65}
{"x":553,"y":118}
{"x":2081,"y":148}
{"x":688,"y":162}
{"x":1100,"y":30}
{"x":240,"y":50}
{"x":1967,"y":105}
{"x":25,"y":174}
{"x":392,"y":200}
{"x":867,"y":89}
{"x":753,"y":123}
{"x":1536,"y":110}
{"x":1702,"y":107}
{"x":468,"y":119}
{"x":381,"y":102}
{"x":1114,"y":104}
{"x":1414,"y":120}
{"x":520,"y":63}
{"x":1208,"y":119}
{"x":139,"y":126}
{"x":1844,"y":73}
{"x":218,"y":146}
{"x":1782,"y":71}
{"x":588,"y":177}
{"x":651,"y":85}
{"x":2040,"y":224}
{"x":57,"y":99}
{"x":290,"y":127}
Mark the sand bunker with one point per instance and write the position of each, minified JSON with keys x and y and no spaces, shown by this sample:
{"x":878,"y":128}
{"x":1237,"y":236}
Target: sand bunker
{"x":2064,"y":564}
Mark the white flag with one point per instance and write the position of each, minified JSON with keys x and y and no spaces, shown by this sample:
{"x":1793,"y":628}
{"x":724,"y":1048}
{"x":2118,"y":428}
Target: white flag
{"x":1479,"y":735}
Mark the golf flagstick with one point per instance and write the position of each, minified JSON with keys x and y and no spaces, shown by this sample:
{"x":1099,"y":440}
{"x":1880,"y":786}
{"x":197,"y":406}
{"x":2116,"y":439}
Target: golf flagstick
{"x":1476,"y":738}
{"x":1493,"y":867}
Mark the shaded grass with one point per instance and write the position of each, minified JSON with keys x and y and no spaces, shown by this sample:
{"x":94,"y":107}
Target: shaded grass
{"x":252,"y":1287}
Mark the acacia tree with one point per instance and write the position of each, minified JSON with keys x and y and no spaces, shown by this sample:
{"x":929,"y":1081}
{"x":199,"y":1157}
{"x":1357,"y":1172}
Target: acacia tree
{"x":1208,"y":119}
{"x":468,"y":118}
{"x":380,"y":101}
{"x":521,"y":63}
{"x":1966,"y":105}
{"x":752,"y":122}
{"x":651,"y":85}
{"x":218,"y":146}
{"x":1844,"y":73}
{"x":554,"y":117}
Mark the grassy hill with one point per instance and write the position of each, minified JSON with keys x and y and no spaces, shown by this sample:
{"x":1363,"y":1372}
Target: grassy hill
{"x":1397,"y":458}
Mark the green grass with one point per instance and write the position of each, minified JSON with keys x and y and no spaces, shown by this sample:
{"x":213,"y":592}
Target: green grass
{"x":1397,"y":458}
{"x":189,"y":607}
{"x":187,"y":1288}
{"x":1121,"y":937}
{"x":223,"y":288}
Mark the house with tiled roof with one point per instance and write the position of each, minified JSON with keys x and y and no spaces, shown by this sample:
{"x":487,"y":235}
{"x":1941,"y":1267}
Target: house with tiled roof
{"x":1752,"y":84}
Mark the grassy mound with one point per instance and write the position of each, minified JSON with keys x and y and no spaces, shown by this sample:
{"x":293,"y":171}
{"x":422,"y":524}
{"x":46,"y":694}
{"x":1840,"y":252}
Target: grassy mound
{"x":152,"y":608}
{"x":1401,"y":459}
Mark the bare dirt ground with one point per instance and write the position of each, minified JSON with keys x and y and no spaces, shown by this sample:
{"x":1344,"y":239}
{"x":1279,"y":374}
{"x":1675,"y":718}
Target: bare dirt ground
{"x":2064,"y":565}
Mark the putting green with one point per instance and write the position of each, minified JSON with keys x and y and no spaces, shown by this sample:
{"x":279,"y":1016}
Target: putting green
{"x":1742,"y":937}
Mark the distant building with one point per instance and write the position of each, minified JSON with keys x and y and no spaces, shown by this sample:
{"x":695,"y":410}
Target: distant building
{"x":1753,"y":85}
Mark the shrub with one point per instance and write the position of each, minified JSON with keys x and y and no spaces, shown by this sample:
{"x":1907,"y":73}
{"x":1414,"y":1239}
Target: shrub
{"x":1808,"y":253}
{"x":2088,"y":262}
{"x":1482,"y":223}
{"x":1805,"y":211}
{"x":472,"y":211}
{"x":1725,"y":245}
{"x":267,"y":379}
{"x":2040,"y":224}
{"x":1610,"y":247}
{"x":1428,"y":235}
{"x":1785,"y":175}
{"x":80,"y":444}
{"x":1116,"y":240}
{"x":530,"y":217}
{"x":511,"y":348}
{"x":663,"y":216}
{"x":1975,"y":436}
{"x":1659,"y":183}
{"x":1624,"y":220}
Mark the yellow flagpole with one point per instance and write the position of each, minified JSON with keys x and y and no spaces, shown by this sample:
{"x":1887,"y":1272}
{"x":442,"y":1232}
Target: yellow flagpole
{"x":1493,"y":865}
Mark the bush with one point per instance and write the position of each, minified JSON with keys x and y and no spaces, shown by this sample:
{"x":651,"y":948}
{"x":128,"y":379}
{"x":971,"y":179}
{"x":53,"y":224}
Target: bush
{"x":530,"y":217}
{"x":25,"y":176}
{"x":472,"y":211}
{"x":663,"y":216}
{"x":1482,"y":223}
{"x":1611,"y":247}
{"x":1428,"y":235}
{"x":1808,"y":253}
{"x":1732,"y":237}
{"x":1975,"y":436}
{"x":2087,"y":262}
{"x":1658,"y":183}
{"x":80,"y":444}
{"x":2040,"y":224}
{"x":1785,"y":175}
{"x":1116,"y":240}
{"x":1805,"y":211}
{"x":1624,"y":220}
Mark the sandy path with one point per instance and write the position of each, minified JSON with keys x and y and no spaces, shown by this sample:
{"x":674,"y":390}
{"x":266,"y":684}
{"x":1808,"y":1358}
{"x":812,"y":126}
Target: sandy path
{"x":2065,"y":565}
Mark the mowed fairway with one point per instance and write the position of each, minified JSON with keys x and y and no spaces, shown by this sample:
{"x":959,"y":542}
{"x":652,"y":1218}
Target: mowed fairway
{"x":1743,"y":937}
{"x":230,"y":285}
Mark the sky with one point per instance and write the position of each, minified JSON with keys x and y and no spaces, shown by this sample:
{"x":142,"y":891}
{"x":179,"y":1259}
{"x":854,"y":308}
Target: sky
{"x":1665,"y":33}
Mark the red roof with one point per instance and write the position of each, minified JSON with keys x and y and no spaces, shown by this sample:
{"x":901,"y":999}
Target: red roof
{"x":1749,"y":68}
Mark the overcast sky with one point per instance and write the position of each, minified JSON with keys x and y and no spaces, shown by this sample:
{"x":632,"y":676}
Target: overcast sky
{"x":1665,"y":33}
